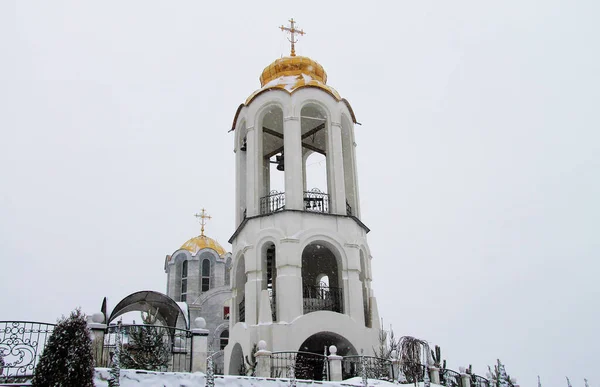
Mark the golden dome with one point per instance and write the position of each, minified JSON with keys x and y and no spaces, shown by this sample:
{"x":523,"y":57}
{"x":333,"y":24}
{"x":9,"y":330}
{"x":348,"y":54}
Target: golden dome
{"x":293,"y":65}
{"x":202,"y":242}
{"x":293,"y":72}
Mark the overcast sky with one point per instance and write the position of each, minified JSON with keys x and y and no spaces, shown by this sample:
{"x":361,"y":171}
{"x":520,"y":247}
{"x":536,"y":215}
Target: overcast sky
{"x":478,"y":154}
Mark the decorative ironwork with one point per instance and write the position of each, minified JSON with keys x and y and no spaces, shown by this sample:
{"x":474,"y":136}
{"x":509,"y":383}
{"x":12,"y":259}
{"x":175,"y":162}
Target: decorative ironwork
{"x":218,"y":362}
{"x":273,"y":202}
{"x":21,"y":345}
{"x":242,"y":310}
{"x":479,"y":381}
{"x":322,"y":297}
{"x":316,"y":201}
{"x":177,"y":341}
{"x":376,"y":368}
{"x":450,"y":378}
{"x":305,"y":365}
{"x":348,"y":209}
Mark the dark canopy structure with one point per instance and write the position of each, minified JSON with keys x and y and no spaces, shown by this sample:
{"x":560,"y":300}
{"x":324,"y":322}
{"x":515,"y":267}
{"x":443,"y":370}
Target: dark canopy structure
{"x":166,"y":309}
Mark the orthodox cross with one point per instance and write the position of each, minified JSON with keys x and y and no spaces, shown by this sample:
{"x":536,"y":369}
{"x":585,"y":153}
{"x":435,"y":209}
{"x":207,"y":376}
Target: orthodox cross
{"x":202,"y":216}
{"x":292,"y":30}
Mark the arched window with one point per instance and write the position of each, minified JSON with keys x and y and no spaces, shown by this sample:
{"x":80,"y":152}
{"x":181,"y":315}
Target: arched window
{"x":184,"y":273}
{"x":224,"y":339}
{"x":205,"y":275}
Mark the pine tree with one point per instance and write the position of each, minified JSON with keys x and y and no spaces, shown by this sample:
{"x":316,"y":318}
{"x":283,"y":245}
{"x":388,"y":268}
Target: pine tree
{"x":67,"y":359}
{"x":145,"y":349}
{"x":498,"y":377}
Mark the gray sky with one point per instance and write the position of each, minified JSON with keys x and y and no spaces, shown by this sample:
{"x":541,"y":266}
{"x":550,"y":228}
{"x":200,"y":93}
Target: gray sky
{"x":478,"y":156}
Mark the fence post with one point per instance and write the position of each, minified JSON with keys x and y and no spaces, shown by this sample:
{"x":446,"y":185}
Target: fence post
{"x":98,"y":328}
{"x":466,"y":379}
{"x":263,"y":360}
{"x":199,"y":345}
{"x":335,"y":365}
{"x":434,"y":374}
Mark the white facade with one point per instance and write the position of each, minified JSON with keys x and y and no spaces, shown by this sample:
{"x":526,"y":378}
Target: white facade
{"x":301,"y":270}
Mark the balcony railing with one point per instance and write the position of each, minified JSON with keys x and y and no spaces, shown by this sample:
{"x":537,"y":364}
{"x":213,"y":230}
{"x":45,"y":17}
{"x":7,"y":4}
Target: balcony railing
{"x":316,"y":201}
{"x":273,"y":202}
{"x":322,"y":298}
{"x":242,"y":310}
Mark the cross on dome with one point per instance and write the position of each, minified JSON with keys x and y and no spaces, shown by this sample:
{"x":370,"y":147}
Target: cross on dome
{"x":202,"y":216}
{"x":292,"y":30}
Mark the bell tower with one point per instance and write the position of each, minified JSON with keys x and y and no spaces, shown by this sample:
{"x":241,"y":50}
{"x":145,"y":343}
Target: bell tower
{"x":301,"y":270}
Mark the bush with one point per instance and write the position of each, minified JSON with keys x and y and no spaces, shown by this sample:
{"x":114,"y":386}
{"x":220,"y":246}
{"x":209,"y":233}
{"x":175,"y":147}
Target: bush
{"x":67,"y":359}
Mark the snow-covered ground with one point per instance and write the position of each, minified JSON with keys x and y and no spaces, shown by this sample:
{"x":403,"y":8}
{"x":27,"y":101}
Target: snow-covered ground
{"x":132,"y":378}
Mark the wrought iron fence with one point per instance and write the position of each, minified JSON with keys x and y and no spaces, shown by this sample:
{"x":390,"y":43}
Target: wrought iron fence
{"x":322,"y":297}
{"x":348,"y":209}
{"x":479,"y":381}
{"x":161,"y":348}
{"x":273,"y":202}
{"x":219,"y":362}
{"x":306,"y":365}
{"x":21,"y":345}
{"x":450,"y":378}
{"x":376,"y":368}
{"x":316,"y":201}
{"x":412,"y":372}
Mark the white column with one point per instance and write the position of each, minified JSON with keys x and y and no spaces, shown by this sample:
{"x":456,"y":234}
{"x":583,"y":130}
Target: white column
{"x":335,"y":365}
{"x":466,"y":379}
{"x":335,"y":158}
{"x":252,"y":290}
{"x":289,"y":281}
{"x":355,"y":304}
{"x":292,"y":150}
{"x":434,"y":374}
{"x":199,"y":345}
{"x":263,"y":361}
{"x":252,"y":167}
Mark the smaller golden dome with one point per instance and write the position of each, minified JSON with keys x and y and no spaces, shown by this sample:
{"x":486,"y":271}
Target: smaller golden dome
{"x":293,"y":65}
{"x":202,"y":242}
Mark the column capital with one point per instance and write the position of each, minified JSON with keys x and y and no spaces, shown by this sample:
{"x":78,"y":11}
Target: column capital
{"x":249,"y":128}
{"x":291,"y":118}
{"x":338,"y":124}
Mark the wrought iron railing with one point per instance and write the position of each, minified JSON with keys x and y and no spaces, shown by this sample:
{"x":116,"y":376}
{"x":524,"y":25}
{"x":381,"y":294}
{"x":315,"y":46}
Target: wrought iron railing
{"x":316,"y":201}
{"x":376,"y":368}
{"x":170,"y":349}
{"x":412,"y":372}
{"x":21,"y":345}
{"x":273,"y":202}
{"x":450,"y":378}
{"x":348,"y":209}
{"x":479,"y":381}
{"x":321,"y":297}
{"x":305,"y":365}
{"x":242,"y":310}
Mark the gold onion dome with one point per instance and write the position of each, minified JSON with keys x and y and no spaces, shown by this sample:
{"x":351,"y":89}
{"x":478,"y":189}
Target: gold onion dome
{"x":291,"y":73}
{"x":202,"y":242}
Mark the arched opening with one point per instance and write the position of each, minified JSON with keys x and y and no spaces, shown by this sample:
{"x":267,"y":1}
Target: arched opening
{"x":205,"y":275}
{"x":309,"y":366}
{"x":318,"y":263}
{"x":240,"y":290}
{"x":273,"y":161}
{"x":269,"y":271}
{"x":184,"y":274}
{"x":313,"y":123}
{"x":236,"y":361}
{"x":363,"y":275}
{"x":241,"y":170}
{"x":350,"y":180}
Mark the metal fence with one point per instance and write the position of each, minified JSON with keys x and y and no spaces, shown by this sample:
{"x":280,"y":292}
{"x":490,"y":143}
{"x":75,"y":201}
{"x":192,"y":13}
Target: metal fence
{"x":375,"y":368}
{"x":21,"y":344}
{"x":450,"y":378}
{"x":273,"y":202}
{"x":158,"y":348}
{"x":305,"y":365}
{"x":322,"y":297}
{"x":479,"y":381}
{"x":316,"y":201}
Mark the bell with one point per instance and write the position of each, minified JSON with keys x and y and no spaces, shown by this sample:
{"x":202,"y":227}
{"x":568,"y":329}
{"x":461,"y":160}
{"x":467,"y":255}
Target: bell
{"x":280,"y":162}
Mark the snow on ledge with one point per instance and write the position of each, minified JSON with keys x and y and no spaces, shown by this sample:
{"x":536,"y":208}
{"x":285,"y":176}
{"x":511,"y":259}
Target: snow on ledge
{"x":133,"y":378}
